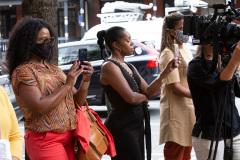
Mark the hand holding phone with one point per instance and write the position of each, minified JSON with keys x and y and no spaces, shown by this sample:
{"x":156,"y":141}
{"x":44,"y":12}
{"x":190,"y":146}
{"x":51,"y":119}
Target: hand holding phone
{"x":82,"y":55}
{"x":176,"y":54}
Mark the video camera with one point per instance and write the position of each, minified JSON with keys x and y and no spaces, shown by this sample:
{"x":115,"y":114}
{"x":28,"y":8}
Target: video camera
{"x":218,"y":28}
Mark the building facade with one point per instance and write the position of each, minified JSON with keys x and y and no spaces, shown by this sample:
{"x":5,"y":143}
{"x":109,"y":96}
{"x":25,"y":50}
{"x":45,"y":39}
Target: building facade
{"x":81,"y":15}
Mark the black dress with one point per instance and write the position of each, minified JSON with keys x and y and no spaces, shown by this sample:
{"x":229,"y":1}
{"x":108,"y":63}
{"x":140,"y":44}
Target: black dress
{"x":125,"y":121}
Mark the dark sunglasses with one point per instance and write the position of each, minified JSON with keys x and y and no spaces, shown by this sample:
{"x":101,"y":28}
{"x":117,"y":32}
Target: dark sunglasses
{"x":46,"y":41}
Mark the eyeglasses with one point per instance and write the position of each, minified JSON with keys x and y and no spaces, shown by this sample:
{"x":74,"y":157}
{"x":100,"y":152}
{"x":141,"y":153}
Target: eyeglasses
{"x":46,"y":41}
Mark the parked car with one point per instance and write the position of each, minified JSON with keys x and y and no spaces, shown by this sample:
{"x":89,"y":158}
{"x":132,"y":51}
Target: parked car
{"x":145,"y":59}
{"x":5,"y":83}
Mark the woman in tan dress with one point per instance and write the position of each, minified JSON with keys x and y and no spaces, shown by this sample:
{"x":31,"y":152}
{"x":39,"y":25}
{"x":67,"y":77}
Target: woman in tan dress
{"x":176,"y":107}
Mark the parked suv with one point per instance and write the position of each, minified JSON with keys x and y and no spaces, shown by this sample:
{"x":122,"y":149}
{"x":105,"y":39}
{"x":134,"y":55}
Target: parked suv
{"x":145,"y":59}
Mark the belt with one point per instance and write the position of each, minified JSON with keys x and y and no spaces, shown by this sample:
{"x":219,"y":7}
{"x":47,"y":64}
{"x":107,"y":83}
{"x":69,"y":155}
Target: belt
{"x":147,"y":130}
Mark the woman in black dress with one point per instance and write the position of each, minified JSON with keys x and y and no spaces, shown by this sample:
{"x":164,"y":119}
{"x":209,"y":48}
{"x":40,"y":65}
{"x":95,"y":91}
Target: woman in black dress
{"x":127,"y":92}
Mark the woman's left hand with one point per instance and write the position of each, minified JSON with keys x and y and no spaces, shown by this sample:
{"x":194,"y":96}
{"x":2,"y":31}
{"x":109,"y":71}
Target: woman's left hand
{"x":87,"y":71}
{"x":172,"y":64}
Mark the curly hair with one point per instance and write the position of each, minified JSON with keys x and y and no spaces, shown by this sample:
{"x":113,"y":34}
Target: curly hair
{"x":22,"y":40}
{"x":169,"y":22}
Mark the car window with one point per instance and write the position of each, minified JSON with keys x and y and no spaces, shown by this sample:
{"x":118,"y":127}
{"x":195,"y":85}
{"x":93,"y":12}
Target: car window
{"x":94,"y":52}
{"x":3,"y":68}
{"x":73,"y":54}
{"x":68,"y":55}
{"x":63,"y":56}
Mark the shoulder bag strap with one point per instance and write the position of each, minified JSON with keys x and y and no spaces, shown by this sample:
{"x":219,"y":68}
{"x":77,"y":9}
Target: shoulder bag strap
{"x":91,"y":116}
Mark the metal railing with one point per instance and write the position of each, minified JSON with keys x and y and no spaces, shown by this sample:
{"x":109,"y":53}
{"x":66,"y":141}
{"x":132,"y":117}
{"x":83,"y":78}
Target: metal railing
{"x":3,"y":45}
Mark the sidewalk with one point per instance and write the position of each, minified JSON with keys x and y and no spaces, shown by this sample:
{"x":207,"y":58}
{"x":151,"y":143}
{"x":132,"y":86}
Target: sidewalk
{"x":157,"y":150}
{"x":155,"y":156}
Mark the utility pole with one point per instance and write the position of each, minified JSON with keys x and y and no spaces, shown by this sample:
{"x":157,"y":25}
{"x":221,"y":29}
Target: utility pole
{"x":66,"y":20}
{"x":154,"y":8}
{"x":82,"y":16}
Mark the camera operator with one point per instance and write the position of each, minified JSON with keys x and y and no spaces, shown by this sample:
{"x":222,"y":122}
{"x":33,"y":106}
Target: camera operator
{"x":208,"y":92}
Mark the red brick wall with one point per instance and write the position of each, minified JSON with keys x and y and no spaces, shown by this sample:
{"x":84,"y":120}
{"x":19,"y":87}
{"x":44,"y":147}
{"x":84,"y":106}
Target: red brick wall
{"x":238,"y":4}
{"x":19,"y":12}
{"x":93,"y":10}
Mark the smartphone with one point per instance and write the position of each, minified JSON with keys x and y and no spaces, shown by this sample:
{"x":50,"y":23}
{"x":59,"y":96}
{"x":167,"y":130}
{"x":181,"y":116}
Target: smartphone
{"x":82,"y":56}
{"x":176,"y":53}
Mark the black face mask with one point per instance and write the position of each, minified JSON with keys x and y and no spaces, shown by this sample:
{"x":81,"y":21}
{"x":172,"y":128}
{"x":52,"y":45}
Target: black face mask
{"x":42,"y":50}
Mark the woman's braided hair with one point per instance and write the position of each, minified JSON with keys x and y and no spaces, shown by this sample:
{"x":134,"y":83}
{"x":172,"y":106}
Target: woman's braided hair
{"x":169,"y":22}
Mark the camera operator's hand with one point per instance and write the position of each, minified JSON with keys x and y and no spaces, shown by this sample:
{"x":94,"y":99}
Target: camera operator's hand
{"x":236,"y":54}
{"x":229,"y":70}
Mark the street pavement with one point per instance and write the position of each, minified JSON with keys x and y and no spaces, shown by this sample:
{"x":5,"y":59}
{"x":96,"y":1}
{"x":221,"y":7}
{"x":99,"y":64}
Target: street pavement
{"x":157,"y":150}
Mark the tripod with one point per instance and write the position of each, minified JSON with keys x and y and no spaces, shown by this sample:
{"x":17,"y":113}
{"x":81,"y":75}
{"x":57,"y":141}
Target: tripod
{"x":228,"y":151}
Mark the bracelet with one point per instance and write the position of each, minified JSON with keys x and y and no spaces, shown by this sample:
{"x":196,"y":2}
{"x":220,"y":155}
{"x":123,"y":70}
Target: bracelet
{"x":161,"y":79}
{"x":84,"y":85}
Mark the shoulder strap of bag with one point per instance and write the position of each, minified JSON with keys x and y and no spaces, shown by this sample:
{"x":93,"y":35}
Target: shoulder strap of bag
{"x":77,"y":105}
{"x":91,"y":116}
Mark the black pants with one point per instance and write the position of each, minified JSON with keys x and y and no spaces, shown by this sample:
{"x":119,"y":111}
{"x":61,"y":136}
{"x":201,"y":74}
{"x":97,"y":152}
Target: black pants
{"x":127,"y":130}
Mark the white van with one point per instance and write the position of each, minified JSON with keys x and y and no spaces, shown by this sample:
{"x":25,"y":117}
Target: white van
{"x":148,"y":32}
{"x":145,"y":31}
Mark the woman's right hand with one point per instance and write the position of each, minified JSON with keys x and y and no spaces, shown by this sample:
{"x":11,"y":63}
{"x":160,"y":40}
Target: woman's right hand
{"x":172,"y":64}
{"x":146,"y":100}
{"x":73,"y":74}
{"x":229,"y":70}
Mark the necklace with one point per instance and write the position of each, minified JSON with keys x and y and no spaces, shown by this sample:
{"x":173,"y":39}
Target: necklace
{"x":116,"y":62}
